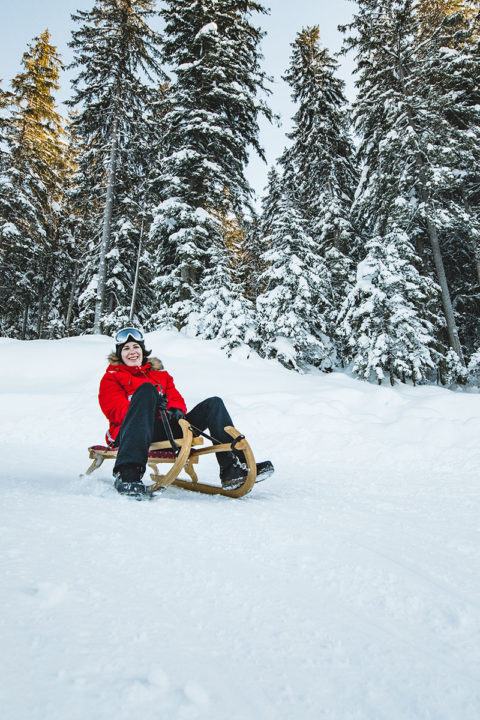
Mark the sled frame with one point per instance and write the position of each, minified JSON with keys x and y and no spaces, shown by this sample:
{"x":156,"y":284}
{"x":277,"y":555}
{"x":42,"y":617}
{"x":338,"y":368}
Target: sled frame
{"x":188,"y":456}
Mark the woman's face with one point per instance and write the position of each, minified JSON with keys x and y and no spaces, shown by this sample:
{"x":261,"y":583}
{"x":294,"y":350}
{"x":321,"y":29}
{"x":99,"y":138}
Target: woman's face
{"x":132,"y":354}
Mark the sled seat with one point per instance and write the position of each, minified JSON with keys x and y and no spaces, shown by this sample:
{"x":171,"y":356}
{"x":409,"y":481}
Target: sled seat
{"x":108,"y":452}
{"x":158,"y":452}
{"x":188,"y":455}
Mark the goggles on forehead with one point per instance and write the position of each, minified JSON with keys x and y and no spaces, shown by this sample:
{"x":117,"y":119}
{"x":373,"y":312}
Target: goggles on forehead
{"x":123,"y":335}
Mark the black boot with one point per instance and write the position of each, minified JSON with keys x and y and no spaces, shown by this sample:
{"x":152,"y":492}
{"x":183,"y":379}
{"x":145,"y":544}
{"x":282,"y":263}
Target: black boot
{"x":235,"y":475}
{"x":128,"y":480}
{"x":264,"y":470}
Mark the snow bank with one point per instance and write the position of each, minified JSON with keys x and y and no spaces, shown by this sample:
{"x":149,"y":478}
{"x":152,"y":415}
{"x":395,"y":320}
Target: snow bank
{"x":344,"y":587}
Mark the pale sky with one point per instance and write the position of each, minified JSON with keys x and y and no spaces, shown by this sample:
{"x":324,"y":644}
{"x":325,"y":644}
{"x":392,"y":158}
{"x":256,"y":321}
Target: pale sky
{"x":25,"y":19}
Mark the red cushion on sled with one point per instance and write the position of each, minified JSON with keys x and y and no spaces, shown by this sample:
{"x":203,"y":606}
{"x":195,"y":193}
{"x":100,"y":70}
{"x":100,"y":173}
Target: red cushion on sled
{"x":164,"y":454}
{"x":159,"y":454}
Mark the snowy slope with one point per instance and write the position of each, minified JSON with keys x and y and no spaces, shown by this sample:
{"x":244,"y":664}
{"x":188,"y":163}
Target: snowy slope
{"x":346,"y":586}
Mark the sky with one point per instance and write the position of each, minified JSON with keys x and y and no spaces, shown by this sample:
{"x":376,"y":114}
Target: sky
{"x":25,"y":19}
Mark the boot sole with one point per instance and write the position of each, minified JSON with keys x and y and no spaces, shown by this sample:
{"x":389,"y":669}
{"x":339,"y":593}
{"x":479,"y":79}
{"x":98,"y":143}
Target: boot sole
{"x":238,"y":483}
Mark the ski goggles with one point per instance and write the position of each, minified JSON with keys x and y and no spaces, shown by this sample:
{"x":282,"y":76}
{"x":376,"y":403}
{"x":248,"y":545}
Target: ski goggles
{"x":123,"y":335}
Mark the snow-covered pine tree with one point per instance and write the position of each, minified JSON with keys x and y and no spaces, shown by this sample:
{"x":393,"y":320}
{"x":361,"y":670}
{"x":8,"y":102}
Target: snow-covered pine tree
{"x":450,"y":61}
{"x":131,"y":270}
{"x":258,"y":230}
{"x":30,"y":190}
{"x":5,"y":101}
{"x":474,"y":367}
{"x":215,"y":100}
{"x":144,"y":303}
{"x":407,"y":147}
{"x":22,"y":243}
{"x":319,"y":179}
{"x":291,"y":327}
{"x":252,"y":248}
{"x":272,"y":200}
{"x":117,"y":55}
{"x":384,"y":333}
{"x":255,"y":229}
{"x":224,"y":313}
{"x":473,"y":181}
{"x":63,"y":268}
{"x":431,"y":13}
{"x":321,"y":155}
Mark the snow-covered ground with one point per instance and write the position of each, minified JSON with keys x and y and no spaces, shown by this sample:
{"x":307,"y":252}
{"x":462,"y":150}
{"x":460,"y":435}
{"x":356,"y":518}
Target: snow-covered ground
{"x":346,"y":586}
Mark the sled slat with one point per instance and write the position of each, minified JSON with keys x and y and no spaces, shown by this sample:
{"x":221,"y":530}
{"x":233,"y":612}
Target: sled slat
{"x":161,"y":453}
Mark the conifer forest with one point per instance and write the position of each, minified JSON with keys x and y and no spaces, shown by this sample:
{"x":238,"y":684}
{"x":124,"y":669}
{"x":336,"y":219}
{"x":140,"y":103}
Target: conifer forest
{"x":133,"y":206}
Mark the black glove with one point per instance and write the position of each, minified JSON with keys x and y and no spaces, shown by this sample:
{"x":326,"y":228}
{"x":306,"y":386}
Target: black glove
{"x":162,"y":402}
{"x":175,"y":414}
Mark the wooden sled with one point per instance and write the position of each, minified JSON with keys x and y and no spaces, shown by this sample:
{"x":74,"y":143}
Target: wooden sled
{"x":161,"y":452}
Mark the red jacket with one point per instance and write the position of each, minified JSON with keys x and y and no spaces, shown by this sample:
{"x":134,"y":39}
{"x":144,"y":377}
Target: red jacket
{"x":120,"y":382}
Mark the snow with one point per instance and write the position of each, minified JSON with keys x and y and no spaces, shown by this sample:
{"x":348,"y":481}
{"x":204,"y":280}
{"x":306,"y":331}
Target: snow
{"x":366,"y":271}
{"x":210,"y":28}
{"x":346,"y":586}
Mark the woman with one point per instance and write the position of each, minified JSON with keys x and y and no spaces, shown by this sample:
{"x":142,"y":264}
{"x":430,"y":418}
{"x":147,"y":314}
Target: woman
{"x":133,"y":391}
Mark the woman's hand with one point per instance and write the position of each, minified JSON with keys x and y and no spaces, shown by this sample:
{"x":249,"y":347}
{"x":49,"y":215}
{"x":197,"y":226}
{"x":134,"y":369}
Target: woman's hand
{"x":175,"y":414}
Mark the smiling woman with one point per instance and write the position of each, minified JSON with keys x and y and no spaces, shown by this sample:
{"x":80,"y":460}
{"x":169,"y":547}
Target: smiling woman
{"x":138,"y":397}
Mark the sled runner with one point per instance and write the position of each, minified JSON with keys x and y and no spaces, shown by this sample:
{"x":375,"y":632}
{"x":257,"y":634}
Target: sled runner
{"x":188,"y":453}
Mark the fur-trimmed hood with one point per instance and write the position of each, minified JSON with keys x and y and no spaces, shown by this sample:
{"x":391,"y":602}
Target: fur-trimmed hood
{"x":154,"y":362}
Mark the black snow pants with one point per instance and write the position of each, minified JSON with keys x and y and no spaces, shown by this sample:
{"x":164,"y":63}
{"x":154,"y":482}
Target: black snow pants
{"x":142,"y":426}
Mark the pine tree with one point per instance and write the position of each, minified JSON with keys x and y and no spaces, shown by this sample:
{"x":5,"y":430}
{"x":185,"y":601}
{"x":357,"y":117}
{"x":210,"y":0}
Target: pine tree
{"x":5,"y":101}
{"x":321,"y":155}
{"x":39,"y":125}
{"x":408,"y":150}
{"x":383,"y":330}
{"x":271,"y":201}
{"x":63,"y":256}
{"x":117,"y":54}
{"x":260,"y":229}
{"x":317,"y":186}
{"x":251,"y":250}
{"x":292,"y":328}
{"x":236,"y":324}
{"x":474,"y":367}
{"x":31,"y":188}
{"x":450,"y":61}
{"x":212,"y":122}
{"x":431,"y":13}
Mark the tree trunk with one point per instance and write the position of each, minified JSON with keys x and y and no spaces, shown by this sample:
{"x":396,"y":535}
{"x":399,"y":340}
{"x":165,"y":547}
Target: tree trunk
{"x":476,"y":257}
{"x":40,"y":313}
{"x":432,"y":231}
{"x":106,"y":229}
{"x":71,"y":299}
{"x":24,"y":326}
{"x":137,"y":270}
{"x":446,"y":299}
